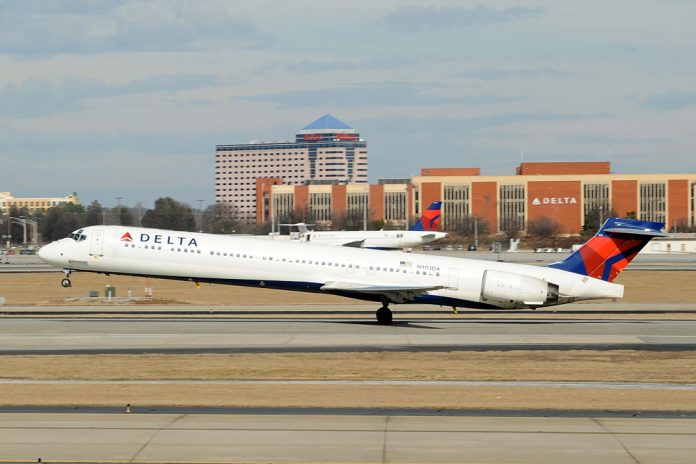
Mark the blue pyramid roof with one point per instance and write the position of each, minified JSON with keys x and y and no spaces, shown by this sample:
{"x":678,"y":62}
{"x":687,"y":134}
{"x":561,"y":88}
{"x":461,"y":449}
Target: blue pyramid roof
{"x":326,"y":122}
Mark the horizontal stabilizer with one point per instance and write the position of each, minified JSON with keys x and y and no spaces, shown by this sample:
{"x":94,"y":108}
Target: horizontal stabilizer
{"x":627,"y":231}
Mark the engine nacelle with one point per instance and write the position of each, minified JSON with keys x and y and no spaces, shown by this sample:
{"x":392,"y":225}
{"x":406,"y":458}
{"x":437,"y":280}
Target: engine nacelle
{"x":509,"y":290}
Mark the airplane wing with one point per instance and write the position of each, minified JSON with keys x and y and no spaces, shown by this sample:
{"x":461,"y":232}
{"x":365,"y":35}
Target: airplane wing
{"x":395,"y":293}
{"x":354,"y":244}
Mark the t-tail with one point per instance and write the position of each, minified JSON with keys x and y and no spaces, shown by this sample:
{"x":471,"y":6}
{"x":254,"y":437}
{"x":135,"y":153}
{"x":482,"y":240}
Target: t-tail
{"x":606,"y":254}
{"x":430,"y":218}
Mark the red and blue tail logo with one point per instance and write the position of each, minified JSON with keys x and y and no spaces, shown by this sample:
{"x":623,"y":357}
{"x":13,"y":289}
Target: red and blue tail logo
{"x":606,"y":254}
{"x":430,"y":218}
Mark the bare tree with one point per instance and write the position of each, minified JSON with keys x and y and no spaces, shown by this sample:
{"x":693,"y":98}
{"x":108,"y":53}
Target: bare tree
{"x":543,"y":227}
{"x":220,"y":218}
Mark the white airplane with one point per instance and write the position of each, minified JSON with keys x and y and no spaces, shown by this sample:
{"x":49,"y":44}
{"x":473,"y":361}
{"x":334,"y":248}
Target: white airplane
{"x":424,"y":231}
{"x":383,"y":276}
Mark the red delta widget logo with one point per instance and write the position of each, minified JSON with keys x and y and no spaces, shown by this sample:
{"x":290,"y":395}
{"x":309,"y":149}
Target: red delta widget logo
{"x":126,"y":237}
{"x":554,"y":201}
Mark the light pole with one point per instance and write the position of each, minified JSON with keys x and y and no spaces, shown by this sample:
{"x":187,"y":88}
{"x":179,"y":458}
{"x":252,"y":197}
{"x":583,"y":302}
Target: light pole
{"x":200,"y":215}
{"x":22,"y":222}
{"x":118,"y":200}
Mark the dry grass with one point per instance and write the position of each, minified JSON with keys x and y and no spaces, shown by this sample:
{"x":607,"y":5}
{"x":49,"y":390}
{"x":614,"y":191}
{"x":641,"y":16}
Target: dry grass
{"x":44,"y":289}
{"x":347,"y":396}
{"x":609,"y":366}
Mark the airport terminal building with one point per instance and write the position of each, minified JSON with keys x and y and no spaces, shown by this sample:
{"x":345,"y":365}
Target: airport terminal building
{"x":327,"y":150}
{"x":565,"y":192}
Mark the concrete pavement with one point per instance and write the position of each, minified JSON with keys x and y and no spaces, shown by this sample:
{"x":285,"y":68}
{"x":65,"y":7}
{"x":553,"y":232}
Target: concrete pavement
{"x":95,"y":437}
{"x":105,"y":335}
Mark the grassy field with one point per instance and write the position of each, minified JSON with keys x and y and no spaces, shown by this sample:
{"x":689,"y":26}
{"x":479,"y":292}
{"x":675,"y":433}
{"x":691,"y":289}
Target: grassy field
{"x":576,"y":366}
{"x":44,"y":289}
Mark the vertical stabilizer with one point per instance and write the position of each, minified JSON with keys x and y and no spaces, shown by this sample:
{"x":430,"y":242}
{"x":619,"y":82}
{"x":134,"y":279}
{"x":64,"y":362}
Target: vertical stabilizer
{"x":606,"y":254}
{"x":430,"y":219}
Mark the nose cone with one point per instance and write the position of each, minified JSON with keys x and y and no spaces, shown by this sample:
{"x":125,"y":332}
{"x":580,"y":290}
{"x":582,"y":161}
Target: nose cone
{"x":50,"y":253}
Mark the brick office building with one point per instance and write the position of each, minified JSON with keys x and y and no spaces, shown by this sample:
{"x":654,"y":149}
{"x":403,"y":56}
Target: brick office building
{"x":565,"y":192}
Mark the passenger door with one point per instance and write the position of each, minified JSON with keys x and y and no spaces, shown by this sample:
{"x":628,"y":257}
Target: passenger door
{"x":96,"y":247}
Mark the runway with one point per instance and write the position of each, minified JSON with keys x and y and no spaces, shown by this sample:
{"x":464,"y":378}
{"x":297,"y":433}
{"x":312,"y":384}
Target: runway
{"x":222,"y":335}
{"x":156,"y":432}
{"x":98,"y":437}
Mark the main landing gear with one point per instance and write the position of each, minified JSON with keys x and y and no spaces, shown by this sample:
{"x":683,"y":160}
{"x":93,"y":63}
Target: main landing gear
{"x":384,"y":314}
{"x":65,"y":283}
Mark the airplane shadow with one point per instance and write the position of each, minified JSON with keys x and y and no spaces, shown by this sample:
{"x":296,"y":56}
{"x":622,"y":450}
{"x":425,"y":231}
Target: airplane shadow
{"x":393,"y":324}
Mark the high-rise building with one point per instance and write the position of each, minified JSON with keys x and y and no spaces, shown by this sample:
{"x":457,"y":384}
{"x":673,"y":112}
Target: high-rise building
{"x":326,"y":150}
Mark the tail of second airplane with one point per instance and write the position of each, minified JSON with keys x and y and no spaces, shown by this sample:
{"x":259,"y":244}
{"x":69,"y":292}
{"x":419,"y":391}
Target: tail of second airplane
{"x":606,"y":254}
{"x":430,"y":218}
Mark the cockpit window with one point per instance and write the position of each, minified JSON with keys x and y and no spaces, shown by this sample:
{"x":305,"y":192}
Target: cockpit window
{"x":78,"y":236}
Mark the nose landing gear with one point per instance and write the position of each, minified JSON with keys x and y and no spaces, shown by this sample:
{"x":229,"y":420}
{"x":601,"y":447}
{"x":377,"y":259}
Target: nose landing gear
{"x":66,"y":283}
{"x":384,"y":314}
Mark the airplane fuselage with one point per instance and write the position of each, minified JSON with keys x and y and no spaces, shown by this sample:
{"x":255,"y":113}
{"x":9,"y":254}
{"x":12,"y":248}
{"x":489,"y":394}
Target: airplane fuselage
{"x":376,"y":239}
{"x":386,"y":276}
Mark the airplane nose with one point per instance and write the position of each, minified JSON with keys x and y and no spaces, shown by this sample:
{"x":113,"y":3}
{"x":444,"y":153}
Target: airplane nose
{"x":48,"y":253}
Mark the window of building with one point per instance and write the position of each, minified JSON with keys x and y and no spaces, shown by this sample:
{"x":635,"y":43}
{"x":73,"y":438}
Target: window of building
{"x":358,"y":204}
{"x":455,"y":207}
{"x":320,"y":206}
{"x":395,"y":209}
{"x":595,"y":199}
{"x":512,"y":207}
{"x":652,"y":201}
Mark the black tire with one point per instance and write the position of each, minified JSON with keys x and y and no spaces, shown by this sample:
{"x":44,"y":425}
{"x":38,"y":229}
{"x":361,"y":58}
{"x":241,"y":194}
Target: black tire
{"x":65,"y":283}
{"x":384,"y":315}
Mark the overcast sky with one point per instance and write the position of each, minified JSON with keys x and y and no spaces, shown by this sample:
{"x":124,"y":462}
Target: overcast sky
{"x":129,"y":98}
